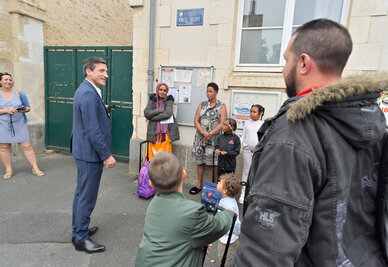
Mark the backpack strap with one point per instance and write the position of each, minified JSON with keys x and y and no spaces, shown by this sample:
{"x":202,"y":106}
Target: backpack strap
{"x":382,"y":198}
{"x":18,"y":93}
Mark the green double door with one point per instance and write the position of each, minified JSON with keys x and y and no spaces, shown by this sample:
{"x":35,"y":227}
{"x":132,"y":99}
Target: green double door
{"x":63,"y":74}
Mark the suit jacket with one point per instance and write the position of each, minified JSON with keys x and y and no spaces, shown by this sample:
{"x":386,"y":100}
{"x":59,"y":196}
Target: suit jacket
{"x":91,"y":135}
{"x":177,"y":229}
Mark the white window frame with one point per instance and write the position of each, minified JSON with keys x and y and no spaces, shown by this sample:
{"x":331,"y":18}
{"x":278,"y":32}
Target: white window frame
{"x":287,"y":30}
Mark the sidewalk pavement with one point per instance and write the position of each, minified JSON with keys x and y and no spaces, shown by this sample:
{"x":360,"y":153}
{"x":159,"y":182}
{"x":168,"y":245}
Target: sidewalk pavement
{"x":35,"y":216}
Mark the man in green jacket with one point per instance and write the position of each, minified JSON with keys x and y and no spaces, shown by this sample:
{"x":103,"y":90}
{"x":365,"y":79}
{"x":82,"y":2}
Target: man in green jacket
{"x":176,"y":229}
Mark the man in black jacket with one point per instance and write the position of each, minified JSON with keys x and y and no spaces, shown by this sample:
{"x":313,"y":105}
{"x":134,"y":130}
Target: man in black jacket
{"x":314,"y":172}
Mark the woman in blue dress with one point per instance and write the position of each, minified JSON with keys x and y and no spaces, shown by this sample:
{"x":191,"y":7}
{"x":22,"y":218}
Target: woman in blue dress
{"x":13,"y":126}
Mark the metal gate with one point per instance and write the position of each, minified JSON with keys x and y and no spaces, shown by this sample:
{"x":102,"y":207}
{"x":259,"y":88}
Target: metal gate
{"x":63,"y":74}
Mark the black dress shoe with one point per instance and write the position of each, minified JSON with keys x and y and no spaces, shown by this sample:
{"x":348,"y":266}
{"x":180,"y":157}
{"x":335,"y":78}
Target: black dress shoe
{"x":89,"y":246}
{"x":92,"y":231}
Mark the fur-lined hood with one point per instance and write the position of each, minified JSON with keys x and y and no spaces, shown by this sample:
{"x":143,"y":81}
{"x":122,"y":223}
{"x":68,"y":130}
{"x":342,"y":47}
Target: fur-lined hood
{"x":349,"y":106}
{"x":334,"y":93}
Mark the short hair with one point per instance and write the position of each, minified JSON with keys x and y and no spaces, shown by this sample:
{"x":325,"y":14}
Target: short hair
{"x":165,"y":172}
{"x":232,"y":184}
{"x":2,"y":74}
{"x":213,"y":85}
{"x":90,"y":63}
{"x":232,"y":123}
{"x":327,"y":42}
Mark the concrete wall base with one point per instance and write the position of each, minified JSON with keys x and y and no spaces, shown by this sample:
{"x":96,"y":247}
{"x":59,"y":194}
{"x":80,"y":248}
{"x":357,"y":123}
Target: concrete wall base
{"x":183,"y":153}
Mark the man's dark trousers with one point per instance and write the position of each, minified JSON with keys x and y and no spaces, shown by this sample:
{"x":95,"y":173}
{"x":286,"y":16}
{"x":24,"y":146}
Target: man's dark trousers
{"x":85,"y":196}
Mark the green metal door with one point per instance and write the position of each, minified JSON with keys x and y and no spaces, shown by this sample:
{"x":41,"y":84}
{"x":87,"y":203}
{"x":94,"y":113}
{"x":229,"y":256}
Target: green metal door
{"x":63,"y":74}
{"x":120,"y":100}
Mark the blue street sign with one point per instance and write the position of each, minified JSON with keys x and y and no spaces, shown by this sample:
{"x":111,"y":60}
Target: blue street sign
{"x":189,"y":17}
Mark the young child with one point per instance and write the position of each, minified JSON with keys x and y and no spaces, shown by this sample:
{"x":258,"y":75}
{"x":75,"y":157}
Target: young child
{"x":227,"y":147}
{"x":176,"y":229}
{"x":249,"y":141}
{"x":229,"y":185}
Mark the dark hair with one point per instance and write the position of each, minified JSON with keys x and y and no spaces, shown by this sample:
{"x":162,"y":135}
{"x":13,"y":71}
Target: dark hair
{"x":232,"y":123}
{"x":260,"y":108}
{"x":232,"y":184}
{"x":165,"y":172}
{"x":90,"y":63}
{"x":2,"y":74}
{"x":327,"y":42}
{"x":213,"y":85}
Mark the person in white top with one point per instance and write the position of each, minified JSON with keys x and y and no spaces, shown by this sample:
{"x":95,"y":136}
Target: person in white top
{"x":249,"y":141}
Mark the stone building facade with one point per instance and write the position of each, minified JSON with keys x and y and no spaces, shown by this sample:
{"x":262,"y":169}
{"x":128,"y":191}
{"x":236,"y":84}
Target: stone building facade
{"x":88,"y":23}
{"x":26,"y":26}
{"x":218,"y":43}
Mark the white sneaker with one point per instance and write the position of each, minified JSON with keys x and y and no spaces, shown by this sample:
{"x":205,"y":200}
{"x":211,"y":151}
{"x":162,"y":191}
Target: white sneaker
{"x":241,"y":199}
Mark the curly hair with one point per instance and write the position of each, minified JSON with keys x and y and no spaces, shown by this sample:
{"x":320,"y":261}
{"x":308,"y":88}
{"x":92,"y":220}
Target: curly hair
{"x":214,"y":86}
{"x":232,"y":184}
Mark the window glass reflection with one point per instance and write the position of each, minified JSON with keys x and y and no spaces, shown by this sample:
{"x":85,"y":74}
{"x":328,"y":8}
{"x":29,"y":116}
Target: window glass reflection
{"x":261,"y":46}
{"x":306,"y":10}
{"x":262,"y":13}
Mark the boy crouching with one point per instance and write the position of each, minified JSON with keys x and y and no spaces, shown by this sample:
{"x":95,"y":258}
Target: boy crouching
{"x":176,"y":229}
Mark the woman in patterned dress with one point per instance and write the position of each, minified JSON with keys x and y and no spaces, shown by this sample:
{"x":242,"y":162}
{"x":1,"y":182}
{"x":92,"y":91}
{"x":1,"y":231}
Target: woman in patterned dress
{"x":13,"y":126}
{"x":209,"y":117}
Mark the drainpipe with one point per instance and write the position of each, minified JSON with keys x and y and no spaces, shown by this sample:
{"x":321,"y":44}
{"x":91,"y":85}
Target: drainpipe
{"x":151,"y":48}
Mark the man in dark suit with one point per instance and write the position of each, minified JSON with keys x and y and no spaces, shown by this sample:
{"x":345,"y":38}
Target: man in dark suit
{"x":90,"y":146}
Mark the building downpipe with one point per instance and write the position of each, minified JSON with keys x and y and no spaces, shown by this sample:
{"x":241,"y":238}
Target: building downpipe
{"x":151,"y":48}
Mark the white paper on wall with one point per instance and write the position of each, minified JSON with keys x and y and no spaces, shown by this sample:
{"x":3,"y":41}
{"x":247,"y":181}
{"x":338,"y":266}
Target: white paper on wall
{"x":183,"y":76}
{"x":184,"y":93}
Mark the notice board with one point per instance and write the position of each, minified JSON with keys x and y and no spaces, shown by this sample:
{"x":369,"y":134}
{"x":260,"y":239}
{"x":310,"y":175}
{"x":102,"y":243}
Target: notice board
{"x":188,"y":87}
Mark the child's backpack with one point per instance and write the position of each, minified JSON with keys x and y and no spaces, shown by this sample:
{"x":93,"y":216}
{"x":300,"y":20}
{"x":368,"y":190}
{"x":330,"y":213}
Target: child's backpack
{"x":144,"y":188}
{"x":210,"y":196}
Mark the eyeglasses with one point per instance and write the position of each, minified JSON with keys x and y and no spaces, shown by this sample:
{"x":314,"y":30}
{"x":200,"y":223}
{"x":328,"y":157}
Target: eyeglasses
{"x":227,"y":124}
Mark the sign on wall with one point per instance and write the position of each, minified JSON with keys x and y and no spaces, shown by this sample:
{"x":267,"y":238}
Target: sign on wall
{"x":242,"y":101}
{"x":189,"y":17}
